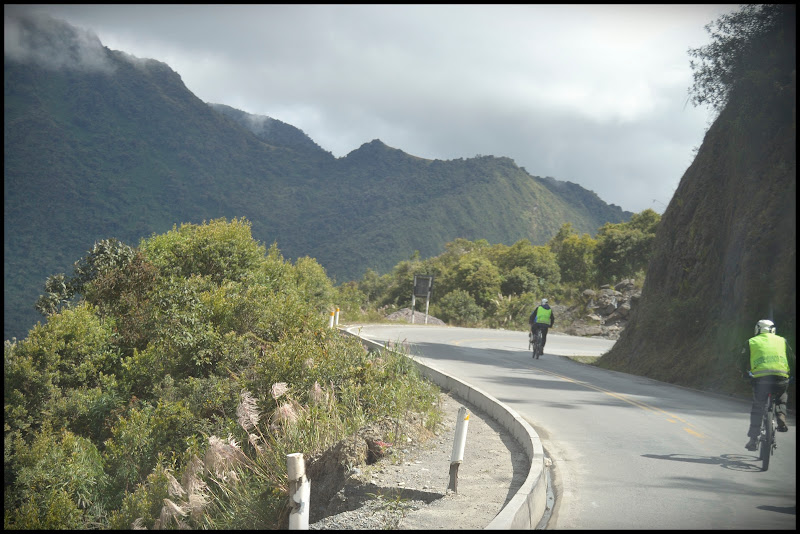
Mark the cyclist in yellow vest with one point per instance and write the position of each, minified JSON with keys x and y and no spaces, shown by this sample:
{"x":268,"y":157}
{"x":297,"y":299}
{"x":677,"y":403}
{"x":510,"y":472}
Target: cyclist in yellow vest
{"x":542,"y":319}
{"x":767,"y":359}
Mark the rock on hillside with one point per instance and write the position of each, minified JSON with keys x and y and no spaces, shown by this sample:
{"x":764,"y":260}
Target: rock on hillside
{"x":602,"y":313}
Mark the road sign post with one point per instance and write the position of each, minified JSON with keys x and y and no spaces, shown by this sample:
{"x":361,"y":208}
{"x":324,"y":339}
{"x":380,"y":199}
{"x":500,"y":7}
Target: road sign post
{"x":423,"y":286}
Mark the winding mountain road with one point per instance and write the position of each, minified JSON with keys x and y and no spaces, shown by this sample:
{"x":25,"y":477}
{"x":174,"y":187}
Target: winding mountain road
{"x":628,"y":452}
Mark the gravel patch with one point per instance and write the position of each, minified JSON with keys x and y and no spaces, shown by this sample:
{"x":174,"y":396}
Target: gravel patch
{"x":419,"y":317}
{"x":408,"y":488}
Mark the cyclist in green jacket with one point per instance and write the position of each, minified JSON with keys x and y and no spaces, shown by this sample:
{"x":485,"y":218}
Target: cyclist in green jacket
{"x":769,"y":359}
{"x":542,"y":318}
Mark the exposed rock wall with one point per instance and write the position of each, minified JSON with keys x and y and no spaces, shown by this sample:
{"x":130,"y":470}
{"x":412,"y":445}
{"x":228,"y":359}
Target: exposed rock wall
{"x":725,"y":250}
{"x":602,"y":313}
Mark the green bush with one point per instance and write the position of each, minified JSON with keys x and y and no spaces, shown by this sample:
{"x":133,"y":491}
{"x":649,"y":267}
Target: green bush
{"x":520,"y":280}
{"x":141,"y":508}
{"x":459,"y":308}
{"x":140,"y":437}
{"x":219,"y":249}
{"x":58,"y":482}
{"x":56,"y":369}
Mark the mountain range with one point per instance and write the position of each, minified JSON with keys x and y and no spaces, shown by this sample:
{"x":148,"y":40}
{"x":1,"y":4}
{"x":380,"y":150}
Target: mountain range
{"x":101,"y":144}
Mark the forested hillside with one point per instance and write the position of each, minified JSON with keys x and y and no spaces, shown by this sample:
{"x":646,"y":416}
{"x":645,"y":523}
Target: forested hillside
{"x":725,"y":253}
{"x":99,"y":144}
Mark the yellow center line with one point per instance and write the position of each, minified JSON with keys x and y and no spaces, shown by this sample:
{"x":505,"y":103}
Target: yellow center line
{"x":670,"y":417}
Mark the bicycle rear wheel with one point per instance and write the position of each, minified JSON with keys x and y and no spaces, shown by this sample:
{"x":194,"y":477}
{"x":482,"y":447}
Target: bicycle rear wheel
{"x":532,"y":344}
{"x":537,"y":345}
{"x":767,"y":438}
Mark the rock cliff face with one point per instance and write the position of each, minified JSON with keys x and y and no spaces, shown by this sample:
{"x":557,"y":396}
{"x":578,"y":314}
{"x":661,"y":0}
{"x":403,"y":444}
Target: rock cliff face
{"x":725,"y":252}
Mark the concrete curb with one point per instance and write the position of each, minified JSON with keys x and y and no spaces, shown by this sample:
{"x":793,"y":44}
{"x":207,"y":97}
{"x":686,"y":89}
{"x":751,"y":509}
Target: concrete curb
{"x":527,"y":507}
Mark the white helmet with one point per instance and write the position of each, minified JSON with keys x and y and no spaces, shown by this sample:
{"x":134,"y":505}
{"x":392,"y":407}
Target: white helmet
{"x":544,"y":301}
{"x":765,"y":325}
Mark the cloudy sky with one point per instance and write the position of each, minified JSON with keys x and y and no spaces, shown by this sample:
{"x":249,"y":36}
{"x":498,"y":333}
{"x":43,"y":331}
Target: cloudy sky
{"x":595,"y":95}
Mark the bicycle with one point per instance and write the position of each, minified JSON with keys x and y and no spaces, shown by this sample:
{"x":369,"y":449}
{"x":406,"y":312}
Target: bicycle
{"x":536,"y":341}
{"x":769,"y":426}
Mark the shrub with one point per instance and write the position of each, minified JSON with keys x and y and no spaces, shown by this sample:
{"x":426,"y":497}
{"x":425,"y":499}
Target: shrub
{"x":141,"y":436}
{"x":59,"y":483}
{"x":150,"y":366}
{"x":458,"y":307}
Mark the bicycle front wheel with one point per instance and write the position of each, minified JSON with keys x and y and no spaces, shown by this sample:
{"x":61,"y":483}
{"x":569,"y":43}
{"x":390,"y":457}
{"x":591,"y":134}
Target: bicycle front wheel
{"x":768,"y":438}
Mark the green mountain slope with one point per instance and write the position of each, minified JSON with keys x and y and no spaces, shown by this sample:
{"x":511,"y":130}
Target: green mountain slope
{"x":92,"y":155}
{"x":119,"y":147}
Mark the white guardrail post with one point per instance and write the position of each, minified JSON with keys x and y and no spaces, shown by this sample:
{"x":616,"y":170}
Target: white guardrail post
{"x":458,"y":447}
{"x":299,"y":491}
{"x":337,"y":316}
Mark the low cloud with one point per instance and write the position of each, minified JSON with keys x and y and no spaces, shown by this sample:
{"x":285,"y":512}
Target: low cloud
{"x":31,"y":37}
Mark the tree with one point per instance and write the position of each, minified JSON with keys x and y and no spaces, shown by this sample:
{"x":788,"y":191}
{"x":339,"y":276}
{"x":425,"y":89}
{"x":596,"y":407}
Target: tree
{"x":546,"y":267}
{"x":557,"y":240}
{"x":740,"y":42}
{"x":313,"y":281}
{"x":539,"y":261}
{"x":373,"y":285}
{"x":520,"y":254}
{"x":479,"y":277}
{"x":106,"y":255}
{"x":57,"y":294}
{"x":96,"y":428}
{"x":520,"y":280}
{"x":576,"y":259}
{"x":624,"y":249}
{"x":646,"y":221}
{"x":59,"y":482}
{"x":401,"y":283}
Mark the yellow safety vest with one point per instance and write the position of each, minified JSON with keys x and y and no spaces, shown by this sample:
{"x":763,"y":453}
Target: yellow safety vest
{"x":543,"y":315}
{"x":768,"y":356}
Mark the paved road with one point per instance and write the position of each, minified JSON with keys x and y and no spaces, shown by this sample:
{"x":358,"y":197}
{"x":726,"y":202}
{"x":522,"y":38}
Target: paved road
{"x":628,"y":452}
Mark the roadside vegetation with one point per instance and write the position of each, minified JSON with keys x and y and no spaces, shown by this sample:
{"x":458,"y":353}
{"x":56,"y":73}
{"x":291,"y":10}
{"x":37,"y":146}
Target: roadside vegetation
{"x":478,"y":284}
{"x":169,"y":381}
